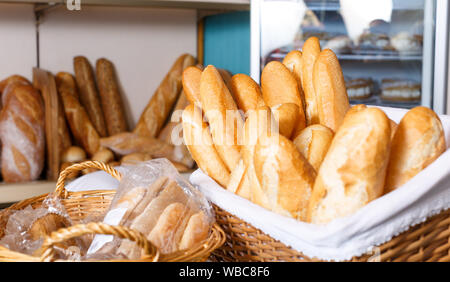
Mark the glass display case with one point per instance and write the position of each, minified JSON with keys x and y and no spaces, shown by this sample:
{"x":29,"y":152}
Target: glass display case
{"x":388,"y":49}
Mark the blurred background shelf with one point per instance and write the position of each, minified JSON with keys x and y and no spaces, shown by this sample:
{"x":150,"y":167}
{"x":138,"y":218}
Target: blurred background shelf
{"x":14,"y":192}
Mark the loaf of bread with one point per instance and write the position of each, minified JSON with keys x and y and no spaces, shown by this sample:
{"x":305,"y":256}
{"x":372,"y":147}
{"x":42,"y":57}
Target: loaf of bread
{"x":310,"y":52}
{"x":286,"y":177}
{"x":418,"y":141}
{"x":191,"y":84}
{"x":11,"y":79}
{"x":158,"y":109}
{"x":198,"y":140}
{"x":329,"y":86}
{"x":246,"y":92}
{"x":279,"y":86}
{"x":290,"y":119}
{"x":196,"y":231}
{"x":111,"y":100}
{"x":80,"y":125}
{"x":354,"y":169}
{"x":22,"y":134}
{"x":313,"y":142}
{"x":225,"y":121}
{"x":73,"y":154}
{"x":293,"y":61}
{"x":88,"y":94}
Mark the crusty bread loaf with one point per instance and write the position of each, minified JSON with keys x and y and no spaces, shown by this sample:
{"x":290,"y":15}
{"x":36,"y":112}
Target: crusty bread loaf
{"x":313,"y":142}
{"x":197,"y":138}
{"x":88,"y":93}
{"x":22,"y":133}
{"x":286,"y":177}
{"x":310,"y":52}
{"x":80,"y":125}
{"x":224,"y":119}
{"x":293,"y":61}
{"x":246,"y":92}
{"x":290,"y":119}
{"x":111,"y":100}
{"x":11,"y":79}
{"x":418,"y":141}
{"x":354,"y":169}
{"x":191,"y":84}
{"x":330,"y":92}
{"x":158,"y":109}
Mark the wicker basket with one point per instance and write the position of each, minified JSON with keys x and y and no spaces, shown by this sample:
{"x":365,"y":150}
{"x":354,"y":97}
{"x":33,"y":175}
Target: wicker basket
{"x":428,"y":241}
{"x":81,"y":204}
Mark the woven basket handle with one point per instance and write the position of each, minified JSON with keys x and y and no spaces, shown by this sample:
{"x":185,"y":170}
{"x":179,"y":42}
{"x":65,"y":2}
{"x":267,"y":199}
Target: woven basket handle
{"x":60,"y":189}
{"x":63,"y":234}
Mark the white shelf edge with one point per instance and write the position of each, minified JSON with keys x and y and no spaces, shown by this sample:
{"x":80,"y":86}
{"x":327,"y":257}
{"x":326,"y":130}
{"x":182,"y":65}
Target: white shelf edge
{"x":15,"y":192}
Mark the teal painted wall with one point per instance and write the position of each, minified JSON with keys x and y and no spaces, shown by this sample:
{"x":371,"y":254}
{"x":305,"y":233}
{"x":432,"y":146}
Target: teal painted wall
{"x":227,"y":41}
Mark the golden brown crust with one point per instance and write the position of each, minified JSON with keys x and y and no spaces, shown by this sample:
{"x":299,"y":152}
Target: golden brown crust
{"x":311,"y":50}
{"x":80,"y":125}
{"x":88,"y":93}
{"x":286,"y":177}
{"x":246,"y":92}
{"x":111,"y":100}
{"x":418,"y":141}
{"x":22,"y":133}
{"x":191,"y":84}
{"x":158,"y":109}
{"x":196,"y":231}
{"x":225,"y":121}
{"x":313,"y":142}
{"x":354,"y":168}
{"x":290,"y":119}
{"x":293,"y":61}
{"x":329,"y":86}
{"x":197,"y":138}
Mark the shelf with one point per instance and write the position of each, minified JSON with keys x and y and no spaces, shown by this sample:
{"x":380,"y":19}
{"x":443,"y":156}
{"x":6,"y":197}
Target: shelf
{"x":15,"y":192}
{"x":318,"y":6}
{"x":189,"y":4}
{"x":356,"y":57}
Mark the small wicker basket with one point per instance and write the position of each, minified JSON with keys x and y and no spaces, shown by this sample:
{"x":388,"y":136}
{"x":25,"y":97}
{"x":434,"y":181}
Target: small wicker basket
{"x":428,"y":241}
{"x":95,"y":203}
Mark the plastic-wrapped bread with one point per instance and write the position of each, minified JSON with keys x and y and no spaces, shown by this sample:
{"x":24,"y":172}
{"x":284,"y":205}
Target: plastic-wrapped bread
{"x":80,"y":125}
{"x":310,"y":52}
{"x":197,"y":230}
{"x":158,"y":109}
{"x":329,"y":86}
{"x":225,"y":121}
{"x":313,"y":142}
{"x":354,"y":169}
{"x":22,"y":133}
{"x":111,"y":101}
{"x":417,"y":142}
{"x":89,"y":96}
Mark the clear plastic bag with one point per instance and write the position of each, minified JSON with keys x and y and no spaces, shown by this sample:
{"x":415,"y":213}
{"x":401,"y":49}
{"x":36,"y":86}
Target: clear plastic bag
{"x":154,"y":199}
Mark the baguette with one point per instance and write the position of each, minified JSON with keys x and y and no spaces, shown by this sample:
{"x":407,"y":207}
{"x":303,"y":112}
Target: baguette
{"x":246,"y":92}
{"x":289,"y":118}
{"x":418,"y":141}
{"x":158,"y":109}
{"x":329,"y":86}
{"x":198,"y":140}
{"x":110,"y":98}
{"x":11,"y":79}
{"x":286,"y":177}
{"x":311,"y":50}
{"x":293,"y":61}
{"x":191,"y":84}
{"x":353,"y":171}
{"x":225,"y":121}
{"x":313,"y":142}
{"x":88,"y":94}
{"x":80,"y":125}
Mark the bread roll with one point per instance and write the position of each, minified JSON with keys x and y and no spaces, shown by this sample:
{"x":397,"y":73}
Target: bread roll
{"x":286,"y":177}
{"x":225,"y":121}
{"x":191,"y":84}
{"x":418,"y":141}
{"x":110,"y":98}
{"x":89,"y":96}
{"x":329,"y":86}
{"x":293,"y":61}
{"x":246,"y":92}
{"x":103,"y":155}
{"x":311,"y":50}
{"x":354,"y":168}
{"x":22,"y":134}
{"x":135,"y":158}
{"x":196,"y":231}
{"x":73,"y":154}
{"x":80,"y":125}
{"x":158,"y":109}
{"x":198,"y":139}
{"x":313,"y":142}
